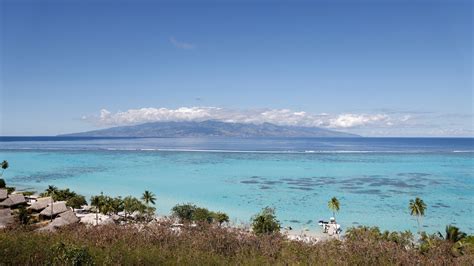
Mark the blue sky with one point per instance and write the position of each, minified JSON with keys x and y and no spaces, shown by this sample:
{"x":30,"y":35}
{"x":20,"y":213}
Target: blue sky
{"x":376,"y":68}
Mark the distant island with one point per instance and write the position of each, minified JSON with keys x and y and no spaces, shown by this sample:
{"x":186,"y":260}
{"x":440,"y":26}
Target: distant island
{"x":210,"y":128}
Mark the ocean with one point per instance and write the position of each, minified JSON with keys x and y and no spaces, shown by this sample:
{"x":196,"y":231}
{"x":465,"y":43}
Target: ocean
{"x":374,"y":178}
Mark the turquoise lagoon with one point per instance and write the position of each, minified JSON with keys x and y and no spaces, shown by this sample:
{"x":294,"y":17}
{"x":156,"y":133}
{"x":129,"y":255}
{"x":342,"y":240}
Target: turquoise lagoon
{"x":373,"y":178}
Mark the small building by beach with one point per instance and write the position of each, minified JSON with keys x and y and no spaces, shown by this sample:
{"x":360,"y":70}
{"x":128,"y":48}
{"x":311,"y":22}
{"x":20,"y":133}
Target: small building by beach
{"x":40,"y":204}
{"x":57,"y":208}
{"x":68,"y":217}
{"x":32,"y":198}
{"x":13,"y":200}
{"x":63,"y":219}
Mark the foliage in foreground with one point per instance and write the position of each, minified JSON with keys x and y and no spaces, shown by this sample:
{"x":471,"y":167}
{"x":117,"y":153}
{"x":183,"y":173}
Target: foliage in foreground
{"x":208,"y":244}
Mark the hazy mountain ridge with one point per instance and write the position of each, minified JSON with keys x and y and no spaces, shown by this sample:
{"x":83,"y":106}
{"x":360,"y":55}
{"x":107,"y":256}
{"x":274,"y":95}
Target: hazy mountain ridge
{"x":211,"y":128}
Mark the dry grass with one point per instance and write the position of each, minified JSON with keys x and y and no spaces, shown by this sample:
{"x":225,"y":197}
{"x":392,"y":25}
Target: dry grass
{"x":209,"y":245}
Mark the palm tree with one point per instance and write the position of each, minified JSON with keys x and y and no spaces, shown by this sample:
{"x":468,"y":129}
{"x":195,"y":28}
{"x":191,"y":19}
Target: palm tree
{"x":417,"y":208}
{"x":148,"y":197}
{"x":96,"y":201}
{"x":453,"y":234}
{"x":51,"y":191}
{"x":333,"y":205}
{"x":4,"y":166}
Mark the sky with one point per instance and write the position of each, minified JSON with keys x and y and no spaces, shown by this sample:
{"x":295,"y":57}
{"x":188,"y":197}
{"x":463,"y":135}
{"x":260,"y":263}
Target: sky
{"x":375,"y":68}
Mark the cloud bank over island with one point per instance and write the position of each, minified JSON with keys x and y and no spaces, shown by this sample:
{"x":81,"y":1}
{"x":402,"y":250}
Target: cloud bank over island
{"x":283,"y":117}
{"x":377,"y":123}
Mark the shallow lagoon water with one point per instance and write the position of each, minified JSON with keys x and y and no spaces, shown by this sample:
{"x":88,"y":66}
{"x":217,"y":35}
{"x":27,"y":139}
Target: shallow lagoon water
{"x":373,"y":178}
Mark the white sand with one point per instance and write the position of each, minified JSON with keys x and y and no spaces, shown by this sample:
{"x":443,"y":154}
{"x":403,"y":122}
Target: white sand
{"x":90,"y":218}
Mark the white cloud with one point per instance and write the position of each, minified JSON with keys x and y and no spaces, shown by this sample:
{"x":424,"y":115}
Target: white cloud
{"x":182,"y":45}
{"x":285,"y":117}
{"x":356,"y":120}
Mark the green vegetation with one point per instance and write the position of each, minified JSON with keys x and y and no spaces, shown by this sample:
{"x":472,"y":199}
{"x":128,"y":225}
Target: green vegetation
{"x":453,"y":234}
{"x":184,"y":212}
{"x":334,"y":206}
{"x":72,"y":199}
{"x":211,"y":245}
{"x":28,"y":193}
{"x":417,"y":208}
{"x":59,"y":194}
{"x":23,"y":216}
{"x":191,"y":213}
{"x":221,"y":217}
{"x":4,"y":166}
{"x":129,"y":205}
{"x":202,"y":215}
{"x":265,"y":222}
{"x":70,"y":255}
{"x":76,"y":202}
{"x":365,"y":233}
{"x":148,"y":197}
{"x":96,"y":202}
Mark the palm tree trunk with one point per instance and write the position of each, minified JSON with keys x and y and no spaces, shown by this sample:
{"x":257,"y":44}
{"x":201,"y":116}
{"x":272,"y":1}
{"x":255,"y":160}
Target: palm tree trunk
{"x":418,"y":222}
{"x":52,"y":203}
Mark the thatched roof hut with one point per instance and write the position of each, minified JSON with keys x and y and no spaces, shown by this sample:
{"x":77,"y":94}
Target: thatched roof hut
{"x":40,"y":204}
{"x":13,"y":200}
{"x":65,"y":218}
{"x":6,"y":217}
{"x":58,"y":207}
{"x":3,"y":193}
{"x":69,"y":217}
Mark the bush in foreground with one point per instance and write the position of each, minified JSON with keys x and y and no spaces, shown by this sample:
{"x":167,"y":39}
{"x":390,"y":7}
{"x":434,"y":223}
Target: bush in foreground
{"x":208,"y":245}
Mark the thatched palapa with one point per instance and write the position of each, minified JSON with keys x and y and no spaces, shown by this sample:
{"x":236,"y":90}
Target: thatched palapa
{"x":13,"y":200}
{"x":58,"y":207}
{"x":40,"y":204}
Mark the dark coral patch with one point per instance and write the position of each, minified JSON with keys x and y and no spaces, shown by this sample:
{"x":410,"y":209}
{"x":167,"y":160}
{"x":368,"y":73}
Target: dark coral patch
{"x":249,"y":182}
{"x":302,"y":188}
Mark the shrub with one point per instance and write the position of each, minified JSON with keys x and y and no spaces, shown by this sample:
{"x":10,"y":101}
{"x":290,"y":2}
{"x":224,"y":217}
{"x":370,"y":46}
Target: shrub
{"x":220,"y":217}
{"x":2,"y":183}
{"x":28,"y":193}
{"x":156,"y":244}
{"x":464,"y":246}
{"x":202,"y":215}
{"x":132,"y":204}
{"x":70,"y":255}
{"x":373,"y":234}
{"x":23,"y":216}
{"x":184,"y":211}
{"x":76,"y":201}
{"x":265,"y":222}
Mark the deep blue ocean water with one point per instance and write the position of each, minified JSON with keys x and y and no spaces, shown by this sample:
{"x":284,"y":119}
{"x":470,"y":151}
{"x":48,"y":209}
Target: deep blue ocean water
{"x":374,"y":178}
